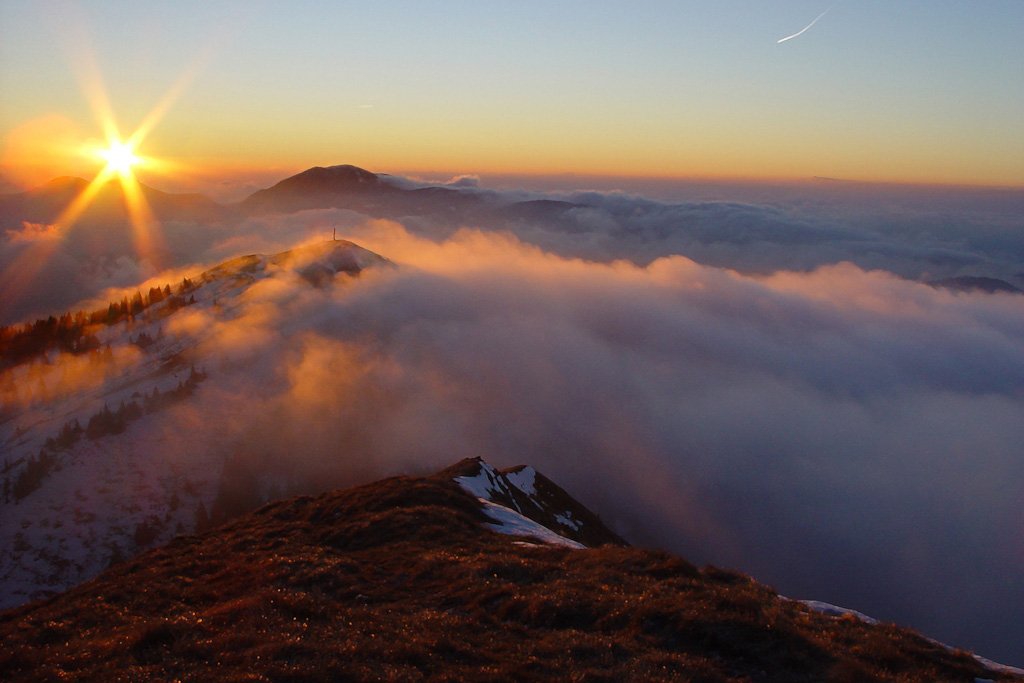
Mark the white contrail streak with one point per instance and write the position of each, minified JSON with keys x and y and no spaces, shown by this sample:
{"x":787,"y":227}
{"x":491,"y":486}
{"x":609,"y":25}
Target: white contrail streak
{"x":805,"y":28}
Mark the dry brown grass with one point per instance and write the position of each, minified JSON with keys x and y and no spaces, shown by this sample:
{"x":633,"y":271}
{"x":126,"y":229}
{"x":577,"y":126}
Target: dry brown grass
{"x":399,"y":581}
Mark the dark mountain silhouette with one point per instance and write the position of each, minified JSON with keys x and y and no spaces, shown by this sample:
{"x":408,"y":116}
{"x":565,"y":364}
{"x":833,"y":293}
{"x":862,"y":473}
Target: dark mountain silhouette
{"x":46,"y":203}
{"x":7,"y":187}
{"x":406,"y":579}
{"x":350,"y":187}
{"x":972,"y":283}
{"x":318,"y":188}
{"x":340,"y":187}
{"x":99,"y":246}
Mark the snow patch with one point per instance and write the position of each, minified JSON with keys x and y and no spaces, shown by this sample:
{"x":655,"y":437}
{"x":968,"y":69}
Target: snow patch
{"x":483,"y":485}
{"x":567,"y":520}
{"x":836,"y":611}
{"x":524,"y":480}
{"x":995,"y":667}
{"x":514,"y":524}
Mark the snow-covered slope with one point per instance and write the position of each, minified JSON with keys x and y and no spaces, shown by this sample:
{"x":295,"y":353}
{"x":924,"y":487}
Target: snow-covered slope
{"x":84,"y":437}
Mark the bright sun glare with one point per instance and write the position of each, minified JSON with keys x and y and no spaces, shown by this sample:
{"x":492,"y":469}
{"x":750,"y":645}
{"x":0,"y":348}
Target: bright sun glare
{"x":120,"y":157}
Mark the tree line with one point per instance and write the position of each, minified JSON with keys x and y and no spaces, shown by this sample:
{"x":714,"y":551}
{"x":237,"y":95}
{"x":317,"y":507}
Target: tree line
{"x":72,"y":332}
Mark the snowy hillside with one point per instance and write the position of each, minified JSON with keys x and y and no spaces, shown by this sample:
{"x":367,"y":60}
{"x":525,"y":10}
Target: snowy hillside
{"x":83,"y":436}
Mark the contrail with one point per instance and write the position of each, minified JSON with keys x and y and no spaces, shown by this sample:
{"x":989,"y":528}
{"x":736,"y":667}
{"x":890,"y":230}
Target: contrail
{"x":805,"y":28}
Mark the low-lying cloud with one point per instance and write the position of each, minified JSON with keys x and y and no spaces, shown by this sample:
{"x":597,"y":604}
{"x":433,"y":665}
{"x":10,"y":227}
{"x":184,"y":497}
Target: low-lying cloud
{"x":844,"y":434}
{"x":915,"y":233}
{"x":31,"y":384}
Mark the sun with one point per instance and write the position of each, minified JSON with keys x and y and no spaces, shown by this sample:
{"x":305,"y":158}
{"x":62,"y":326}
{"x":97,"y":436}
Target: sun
{"x":120,"y":157}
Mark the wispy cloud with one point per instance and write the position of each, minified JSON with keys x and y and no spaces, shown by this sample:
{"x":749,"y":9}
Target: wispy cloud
{"x":32,"y":232}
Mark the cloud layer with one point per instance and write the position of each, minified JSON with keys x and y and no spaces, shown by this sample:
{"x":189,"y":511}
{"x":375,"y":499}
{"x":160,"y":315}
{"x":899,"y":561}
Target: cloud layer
{"x":916,"y":233}
{"x":844,"y":434}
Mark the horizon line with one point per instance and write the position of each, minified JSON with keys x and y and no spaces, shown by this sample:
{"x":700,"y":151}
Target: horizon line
{"x":435,"y":175}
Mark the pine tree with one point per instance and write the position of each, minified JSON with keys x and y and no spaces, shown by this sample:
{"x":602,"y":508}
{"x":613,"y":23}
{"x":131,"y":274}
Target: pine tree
{"x":136,"y":304}
{"x":116,"y":554}
{"x":202,"y":517}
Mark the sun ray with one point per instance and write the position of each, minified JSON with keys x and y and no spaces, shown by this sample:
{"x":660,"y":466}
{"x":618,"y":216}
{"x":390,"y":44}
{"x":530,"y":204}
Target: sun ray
{"x":17,"y":277}
{"x":157,"y":112}
{"x":119,"y":161}
{"x":145,"y":229}
{"x":92,"y":85}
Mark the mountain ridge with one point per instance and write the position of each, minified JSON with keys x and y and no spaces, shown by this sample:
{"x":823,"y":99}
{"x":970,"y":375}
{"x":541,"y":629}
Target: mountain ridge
{"x":405,"y":578}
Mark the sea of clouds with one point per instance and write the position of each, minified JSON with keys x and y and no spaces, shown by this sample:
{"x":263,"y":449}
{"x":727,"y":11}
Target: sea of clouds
{"x":760,"y":385}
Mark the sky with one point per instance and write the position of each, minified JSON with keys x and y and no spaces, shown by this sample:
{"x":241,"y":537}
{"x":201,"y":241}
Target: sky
{"x":921,"y":91}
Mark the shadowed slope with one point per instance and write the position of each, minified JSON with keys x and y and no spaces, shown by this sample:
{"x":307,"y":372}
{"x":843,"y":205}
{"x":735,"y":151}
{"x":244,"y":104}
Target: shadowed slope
{"x":402,"y":580}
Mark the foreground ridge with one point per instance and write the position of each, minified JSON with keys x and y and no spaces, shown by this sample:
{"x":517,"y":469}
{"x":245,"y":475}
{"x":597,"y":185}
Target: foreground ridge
{"x":410,"y":578}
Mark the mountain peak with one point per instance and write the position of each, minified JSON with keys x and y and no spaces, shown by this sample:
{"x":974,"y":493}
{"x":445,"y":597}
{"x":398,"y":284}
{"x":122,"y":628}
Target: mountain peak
{"x":340,"y":172}
{"x":64,"y":181}
{"x":316,"y":262}
{"x":529,"y":493}
{"x":310,"y":188}
{"x":330,"y":178}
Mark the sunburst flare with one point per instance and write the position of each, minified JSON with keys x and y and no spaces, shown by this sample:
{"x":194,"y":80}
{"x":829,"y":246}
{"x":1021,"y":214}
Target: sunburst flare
{"x":118,"y":160}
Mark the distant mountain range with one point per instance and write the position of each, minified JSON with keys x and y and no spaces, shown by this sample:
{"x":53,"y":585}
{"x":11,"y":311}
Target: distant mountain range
{"x":469,"y":574}
{"x":350,"y":187}
{"x":103,"y":246}
{"x":46,"y":203}
{"x":969,"y":283}
{"x":344,"y":187}
{"x":549,"y":221}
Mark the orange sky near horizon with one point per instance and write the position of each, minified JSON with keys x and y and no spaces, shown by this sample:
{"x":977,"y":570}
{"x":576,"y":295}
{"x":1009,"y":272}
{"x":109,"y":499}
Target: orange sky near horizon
{"x":703,"y":92}
{"x":53,"y":145}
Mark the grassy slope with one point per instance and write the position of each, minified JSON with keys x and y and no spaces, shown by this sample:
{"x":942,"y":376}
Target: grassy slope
{"x":398,"y":580}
